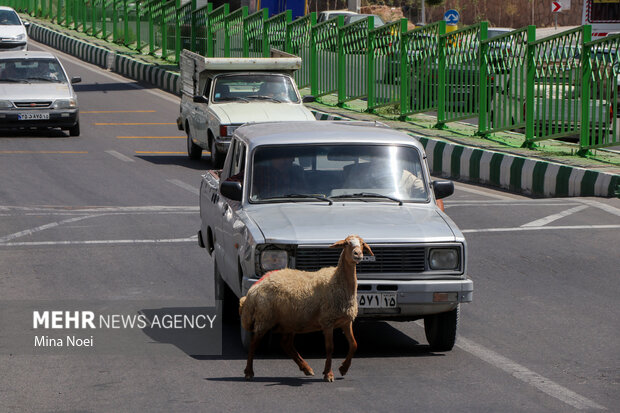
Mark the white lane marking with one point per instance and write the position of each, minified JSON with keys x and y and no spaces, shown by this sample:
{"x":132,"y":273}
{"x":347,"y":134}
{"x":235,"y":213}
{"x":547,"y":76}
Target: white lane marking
{"x":111,"y":75}
{"x":554,"y":217}
{"x":43,"y":227}
{"x":119,"y":155}
{"x":524,"y":374}
{"x":100,"y":242}
{"x":479,"y":192}
{"x":183,"y":185}
{"x":63,"y":209}
{"x":548,"y":228}
{"x":600,"y":205}
{"x":528,"y":376}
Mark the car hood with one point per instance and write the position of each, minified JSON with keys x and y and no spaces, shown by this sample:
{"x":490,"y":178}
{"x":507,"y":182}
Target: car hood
{"x":377,"y":222}
{"x":238,"y":113}
{"x":11,"y":31}
{"x":34,"y":91}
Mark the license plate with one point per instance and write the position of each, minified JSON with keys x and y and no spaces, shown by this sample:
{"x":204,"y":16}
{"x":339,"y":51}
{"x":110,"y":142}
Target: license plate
{"x":33,"y":116}
{"x":377,"y":300}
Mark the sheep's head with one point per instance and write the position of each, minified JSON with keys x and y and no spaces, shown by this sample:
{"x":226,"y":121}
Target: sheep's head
{"x":354,"y":248}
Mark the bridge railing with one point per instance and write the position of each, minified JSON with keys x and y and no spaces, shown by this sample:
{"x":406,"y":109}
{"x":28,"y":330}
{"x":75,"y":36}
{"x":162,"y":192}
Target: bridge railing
{"x":560,"y":86}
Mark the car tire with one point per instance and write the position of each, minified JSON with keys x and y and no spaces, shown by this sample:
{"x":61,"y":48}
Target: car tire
{"x":75,"y":130}
{"x":440,"y":329}
{"x":227,"y":302}
{"x":193,"y":151}
{"x":217,"y":159}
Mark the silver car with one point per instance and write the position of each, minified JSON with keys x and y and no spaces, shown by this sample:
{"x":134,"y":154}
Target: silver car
{"x":13,"y":34}
{"x":35,"y":92}
{"x":289,"y":190}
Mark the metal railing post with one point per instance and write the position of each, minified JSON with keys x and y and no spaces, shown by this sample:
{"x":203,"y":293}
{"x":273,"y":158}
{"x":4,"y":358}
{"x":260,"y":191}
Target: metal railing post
{"x":341,"y":79}
{"x":370,"y":61}
{"x":177,"y":32}
{"x":405,"y":90}
{"x":586,"y":84}
{"x":483,"y":74}
{"x":529,"y":85}
{"x":266,"y":50}
{"x":441,"y":81}
{"x":314,"y":62}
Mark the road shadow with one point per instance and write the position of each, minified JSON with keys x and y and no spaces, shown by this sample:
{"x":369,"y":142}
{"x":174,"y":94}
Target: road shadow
{"x":196,"y":338}
{"x":34,"y":133}
{"x":374,"y":339}
{"x":111,"y":87}
{"x":275,"y":381}
{"x":180,"y":160}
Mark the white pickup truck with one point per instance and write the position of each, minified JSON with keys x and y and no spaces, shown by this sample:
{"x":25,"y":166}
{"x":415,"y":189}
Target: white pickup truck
{"x":289,"y":190}
{"x":221,"y":94}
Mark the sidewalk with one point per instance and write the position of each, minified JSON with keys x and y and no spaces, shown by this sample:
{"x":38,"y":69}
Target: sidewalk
{"x":551,"y":170}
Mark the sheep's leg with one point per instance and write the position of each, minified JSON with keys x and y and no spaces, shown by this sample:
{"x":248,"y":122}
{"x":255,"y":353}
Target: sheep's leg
{"x":348,"y":332}
{"x":289,"y":347}
{"x":249,"y":369}
{"x":328,"y":375}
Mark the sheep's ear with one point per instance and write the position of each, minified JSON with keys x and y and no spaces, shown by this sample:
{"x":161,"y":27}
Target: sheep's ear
{"x":339,"y":244}
{"x":367,"y":248}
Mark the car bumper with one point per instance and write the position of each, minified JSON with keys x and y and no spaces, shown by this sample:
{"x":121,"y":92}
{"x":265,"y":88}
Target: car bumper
{"x":222,"y":144}
{"x":415,"y":298}
{"x":57,"y":119}
{"x":10,"y":46}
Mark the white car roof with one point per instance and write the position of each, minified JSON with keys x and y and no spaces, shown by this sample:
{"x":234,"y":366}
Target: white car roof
{"x":27,"y":55}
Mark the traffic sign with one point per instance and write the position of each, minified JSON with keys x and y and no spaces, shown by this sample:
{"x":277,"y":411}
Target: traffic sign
{"x":451,"y":16}
{"x":556,"y":6}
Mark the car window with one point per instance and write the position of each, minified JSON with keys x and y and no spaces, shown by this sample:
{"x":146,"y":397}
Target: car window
{"x":244,"y":87}
{"x":337,"y":171}
{"x":31,"y":71}
{"x":9,"y":18}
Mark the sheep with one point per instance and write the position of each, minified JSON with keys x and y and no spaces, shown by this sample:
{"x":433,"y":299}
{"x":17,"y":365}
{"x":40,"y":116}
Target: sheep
{"x":293,"y":301}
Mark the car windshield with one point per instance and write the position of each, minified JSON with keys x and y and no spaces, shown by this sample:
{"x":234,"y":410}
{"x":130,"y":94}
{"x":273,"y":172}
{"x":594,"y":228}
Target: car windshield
{"x":358,"y":17}
{"x":31,"y":71}
{"x":356,"y":173}
{"x":246,"y":87}
{"x":9,"y":18}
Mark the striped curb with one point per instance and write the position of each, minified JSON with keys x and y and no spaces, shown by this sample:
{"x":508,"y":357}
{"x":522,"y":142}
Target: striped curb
{"x":108,"y":59}
{"x":510,"y":172}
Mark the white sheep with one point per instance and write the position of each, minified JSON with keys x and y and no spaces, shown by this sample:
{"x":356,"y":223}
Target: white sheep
{"x":292,"y":301}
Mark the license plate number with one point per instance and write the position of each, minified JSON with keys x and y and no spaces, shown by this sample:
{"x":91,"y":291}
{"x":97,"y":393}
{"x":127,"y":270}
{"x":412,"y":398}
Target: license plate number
{"x":377,"y":300}
{"x":33,"y":116}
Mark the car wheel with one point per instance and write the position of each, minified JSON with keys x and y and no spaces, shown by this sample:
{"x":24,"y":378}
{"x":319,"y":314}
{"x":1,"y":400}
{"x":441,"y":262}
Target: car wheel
{"x":193,"y":151}
{"x":216,"y":157}
{"x":440,"y":330}
{"x":227,"y":302}
{"x":75,"y":130}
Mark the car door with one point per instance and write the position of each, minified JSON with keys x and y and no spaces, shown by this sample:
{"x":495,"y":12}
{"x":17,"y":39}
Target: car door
{"x":231,"y":226}
{"x":201,"y":121}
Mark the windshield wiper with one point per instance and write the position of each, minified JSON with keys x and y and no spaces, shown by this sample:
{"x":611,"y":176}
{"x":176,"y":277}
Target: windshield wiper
{"x":369,"y":195}
{"x":45,"y":79}
{"x":232,"y":99}
{"x":300,"y":196}
{"x":12,"y":80}
{"x":264,"y":98}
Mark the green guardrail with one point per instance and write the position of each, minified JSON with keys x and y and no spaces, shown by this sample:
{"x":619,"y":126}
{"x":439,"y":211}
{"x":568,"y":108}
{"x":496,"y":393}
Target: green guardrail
{"x":564,"y":85}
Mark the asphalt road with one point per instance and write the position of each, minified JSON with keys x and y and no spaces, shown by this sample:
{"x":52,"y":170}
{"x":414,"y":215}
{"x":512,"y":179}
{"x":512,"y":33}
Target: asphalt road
{"x":112,"y":215}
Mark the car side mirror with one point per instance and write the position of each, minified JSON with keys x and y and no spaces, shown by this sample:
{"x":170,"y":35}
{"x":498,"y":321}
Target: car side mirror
{"x":231,"y":190}
{"x":200,"y":99}
{"x":26,"y":24}
{"x":76,"y":79}
{"x":308,"y":99}
{"x":443,"y":189}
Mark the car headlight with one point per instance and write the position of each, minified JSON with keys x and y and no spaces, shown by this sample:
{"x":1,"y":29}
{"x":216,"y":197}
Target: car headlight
{"x":444,"y":259}
{"x":273,"y":260}
{"x":20,"y":37}
{"x":65,"y":104}
{"x":5,"y":104}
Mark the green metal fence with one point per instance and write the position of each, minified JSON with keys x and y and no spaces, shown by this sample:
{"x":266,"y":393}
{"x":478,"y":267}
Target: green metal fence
{"x":324,"y":51}
{"x":563,"y":85}
{"x":353,"y":64}
{"x":298,"y":43}
{"x":418,"y":68}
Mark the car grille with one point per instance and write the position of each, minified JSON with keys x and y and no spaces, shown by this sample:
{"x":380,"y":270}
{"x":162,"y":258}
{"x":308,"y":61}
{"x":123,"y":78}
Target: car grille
{"x":32,"y":104}
{"x":387,"y":259}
